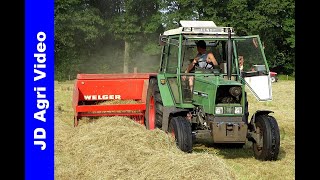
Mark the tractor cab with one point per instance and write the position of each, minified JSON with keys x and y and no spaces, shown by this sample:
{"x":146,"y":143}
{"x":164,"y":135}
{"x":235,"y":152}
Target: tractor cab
{"x":236,"y":56}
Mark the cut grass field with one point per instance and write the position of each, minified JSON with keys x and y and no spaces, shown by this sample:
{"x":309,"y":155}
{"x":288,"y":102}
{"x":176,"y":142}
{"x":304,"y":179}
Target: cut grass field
{"x":96,"y":151}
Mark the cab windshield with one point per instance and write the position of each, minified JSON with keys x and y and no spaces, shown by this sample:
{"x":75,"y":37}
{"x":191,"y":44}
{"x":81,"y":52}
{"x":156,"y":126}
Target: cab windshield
{"x":214,"y":46}
{"x":250,"y":55}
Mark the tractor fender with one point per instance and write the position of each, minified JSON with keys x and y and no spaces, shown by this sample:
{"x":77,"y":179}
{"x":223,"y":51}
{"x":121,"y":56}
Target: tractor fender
{"x":257,"y":113}
{"x":168,"y":113}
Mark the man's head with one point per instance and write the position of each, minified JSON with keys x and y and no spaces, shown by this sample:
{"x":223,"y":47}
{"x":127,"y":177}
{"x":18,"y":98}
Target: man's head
{"x":201,"y":45}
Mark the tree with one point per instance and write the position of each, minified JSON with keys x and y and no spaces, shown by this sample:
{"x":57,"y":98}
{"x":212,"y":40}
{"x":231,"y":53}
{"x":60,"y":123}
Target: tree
{"x":273,"y":20}
{"x":77,"y":27}
{"x":131,"y":21}
{"x":133,"y":26}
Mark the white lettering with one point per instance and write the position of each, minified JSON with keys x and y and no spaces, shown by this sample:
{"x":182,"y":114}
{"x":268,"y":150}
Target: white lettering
{"x":40,"y":133}
{"x":101,"y":97}
{"x":42,"y":103}
{"x":87,"y":97}
{"x":41,"y":75}
{"x":41,"y":57}
{"x":42,"y":143}
{"x":41,"y":36}
{"x":41,"y":47}
{"x":40,"y":115}
{"x":39,"y":66}
{"x":38,"y":89}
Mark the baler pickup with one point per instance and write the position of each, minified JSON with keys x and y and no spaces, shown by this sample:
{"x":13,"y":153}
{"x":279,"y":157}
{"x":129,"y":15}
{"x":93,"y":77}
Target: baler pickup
{"x":96,"y":95}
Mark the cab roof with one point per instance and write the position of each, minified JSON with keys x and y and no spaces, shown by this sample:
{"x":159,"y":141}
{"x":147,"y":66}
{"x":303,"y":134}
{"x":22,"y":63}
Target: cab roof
{"x":198,"y":27}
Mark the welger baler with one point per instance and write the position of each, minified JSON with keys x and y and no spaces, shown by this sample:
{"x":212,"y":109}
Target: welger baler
{"x":91,"y":89}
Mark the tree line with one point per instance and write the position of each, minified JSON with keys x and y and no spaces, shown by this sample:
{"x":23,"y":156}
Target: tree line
{"x":125,"y":32}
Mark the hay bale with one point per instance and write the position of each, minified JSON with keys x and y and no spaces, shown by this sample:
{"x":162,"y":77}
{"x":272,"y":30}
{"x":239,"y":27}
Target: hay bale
{"x":119,"y":148}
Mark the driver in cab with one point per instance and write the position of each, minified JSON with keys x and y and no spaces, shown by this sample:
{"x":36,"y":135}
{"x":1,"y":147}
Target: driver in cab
{"x":204,"y":59}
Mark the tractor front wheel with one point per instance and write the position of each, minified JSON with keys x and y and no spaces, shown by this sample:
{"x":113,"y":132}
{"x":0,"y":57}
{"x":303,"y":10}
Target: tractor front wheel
{"x":267,"y":130}
{"x":180,"y":128}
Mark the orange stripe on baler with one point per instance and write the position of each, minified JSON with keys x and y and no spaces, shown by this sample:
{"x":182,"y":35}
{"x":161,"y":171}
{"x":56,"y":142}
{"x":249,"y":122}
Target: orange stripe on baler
{"x":127,"y":89}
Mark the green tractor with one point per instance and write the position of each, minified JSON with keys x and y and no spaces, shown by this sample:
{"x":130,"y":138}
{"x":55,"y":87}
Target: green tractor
{"x":217,"y":102}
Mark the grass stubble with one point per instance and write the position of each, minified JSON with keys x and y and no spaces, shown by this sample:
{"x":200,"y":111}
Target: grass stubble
{"x":119,"y":148}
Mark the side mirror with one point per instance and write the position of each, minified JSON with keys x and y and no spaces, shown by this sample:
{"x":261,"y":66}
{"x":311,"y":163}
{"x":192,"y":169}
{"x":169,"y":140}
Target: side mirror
{"x":163,"y":40}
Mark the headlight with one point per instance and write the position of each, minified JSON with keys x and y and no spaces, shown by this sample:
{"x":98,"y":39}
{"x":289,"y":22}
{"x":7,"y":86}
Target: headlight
{"x":219,"y":110}
{"x":238,"y":110}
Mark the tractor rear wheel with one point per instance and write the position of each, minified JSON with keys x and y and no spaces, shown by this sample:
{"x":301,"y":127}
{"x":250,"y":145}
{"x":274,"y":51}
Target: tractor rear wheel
{"x":180,"y":128}
{"x":153,"y":117}
{"x":268,"y":128}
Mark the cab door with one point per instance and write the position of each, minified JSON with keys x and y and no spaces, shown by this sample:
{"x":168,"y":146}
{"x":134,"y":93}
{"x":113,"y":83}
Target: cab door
{"x":253,"y":67}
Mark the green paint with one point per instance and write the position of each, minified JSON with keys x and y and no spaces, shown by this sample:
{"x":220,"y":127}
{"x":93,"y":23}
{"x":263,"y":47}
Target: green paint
{"x":166,"y":95}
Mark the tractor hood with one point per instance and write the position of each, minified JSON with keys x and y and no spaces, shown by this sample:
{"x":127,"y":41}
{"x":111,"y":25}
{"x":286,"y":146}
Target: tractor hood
{"x":211,"y":90}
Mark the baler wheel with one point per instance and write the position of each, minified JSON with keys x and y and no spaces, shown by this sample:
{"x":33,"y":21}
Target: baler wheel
{"x":267,"y":126}
{"x":180,"y":128}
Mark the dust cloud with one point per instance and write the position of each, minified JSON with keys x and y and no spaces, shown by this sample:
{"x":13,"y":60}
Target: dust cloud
{"x":110,"y":59}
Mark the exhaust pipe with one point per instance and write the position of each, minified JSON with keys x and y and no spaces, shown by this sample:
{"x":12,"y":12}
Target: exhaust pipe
{"x":229,"y":56}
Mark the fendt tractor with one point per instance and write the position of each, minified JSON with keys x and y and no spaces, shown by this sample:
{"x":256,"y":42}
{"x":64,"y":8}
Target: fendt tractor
{"x":216,"y":103}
